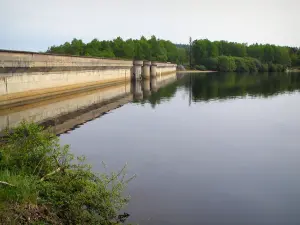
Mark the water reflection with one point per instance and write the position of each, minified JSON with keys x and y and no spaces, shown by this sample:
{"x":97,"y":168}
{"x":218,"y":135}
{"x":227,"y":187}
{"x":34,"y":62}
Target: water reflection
{"x":227,"y":162}
{"x":61,"y":111}
{"x":231,"y":85}
{"x":214,"y":86}
{"x":233,"y":161}
{"x":68,"y":111}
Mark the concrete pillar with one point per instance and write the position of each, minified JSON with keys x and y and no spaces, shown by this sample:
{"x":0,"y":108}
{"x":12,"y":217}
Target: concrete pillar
{"x":137,"y":69}
{"x":153,"y":70}
{"x":146,"y":70}
{"x":146,"y":88}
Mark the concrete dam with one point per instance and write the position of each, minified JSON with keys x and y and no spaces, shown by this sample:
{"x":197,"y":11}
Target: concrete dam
{"x":26,"y":77}
{"x":69,"y":111}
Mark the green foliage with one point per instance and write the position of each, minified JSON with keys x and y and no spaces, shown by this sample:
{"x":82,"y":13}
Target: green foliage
{"x":22,"y":188}
{"x":200,"y":67}
{"x":204,"y":52}
{"x":241,"y":65}
{"x":254,"y":55}
{"x":226,"y":64}
{"x":36,"y":170}
{"x":264,"y":68}
{"x":143,"y":49}
{"x":276,"y":67}
{"x":210,"y":63}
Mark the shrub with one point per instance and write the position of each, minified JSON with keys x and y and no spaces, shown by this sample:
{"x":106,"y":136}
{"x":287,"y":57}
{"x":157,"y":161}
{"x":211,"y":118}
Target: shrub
{"x":252,"y":65}
{"x":40,"y":177}
{"x":226,"y":64}
{"x":200,"y":67}
{"x":272,"y":67}
{"x":210,"y":63}
{"x":241,"y":65}
{"x":264,"y":68}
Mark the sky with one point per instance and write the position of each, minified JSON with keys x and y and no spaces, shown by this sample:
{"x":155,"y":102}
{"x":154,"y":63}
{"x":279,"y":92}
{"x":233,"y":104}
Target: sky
{"x":35,"y":25}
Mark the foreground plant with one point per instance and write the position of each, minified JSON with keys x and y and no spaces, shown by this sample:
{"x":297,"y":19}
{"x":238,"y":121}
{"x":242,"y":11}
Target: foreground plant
{"x":41,"y":182}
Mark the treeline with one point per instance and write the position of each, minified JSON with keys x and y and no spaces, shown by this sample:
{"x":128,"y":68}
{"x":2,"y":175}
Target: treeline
{"x":206,"y":55}
{"x":143,"y":49}
{"x":230,"y":56}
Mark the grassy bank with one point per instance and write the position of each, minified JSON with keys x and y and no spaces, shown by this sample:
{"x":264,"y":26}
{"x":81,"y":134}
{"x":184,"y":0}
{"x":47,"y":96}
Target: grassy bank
{"x":41,"y":182}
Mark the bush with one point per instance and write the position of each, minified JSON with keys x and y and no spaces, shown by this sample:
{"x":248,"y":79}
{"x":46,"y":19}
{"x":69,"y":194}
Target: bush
{"x":40,"y":177}
{"x":241,"y":65}
{"x":200,"y":67}
{"x":276,"y":68}
{"x":210,"y":63}
{"x":226,"y":64}
{"x":272,"y":67}
{"x":264,"y":68}
{"x":252,"y":65}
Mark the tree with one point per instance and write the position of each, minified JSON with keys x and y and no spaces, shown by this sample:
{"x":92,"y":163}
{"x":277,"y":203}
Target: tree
{"x":226,"y":64}
{"x":204,"y":52}
{"x":241,"y":65}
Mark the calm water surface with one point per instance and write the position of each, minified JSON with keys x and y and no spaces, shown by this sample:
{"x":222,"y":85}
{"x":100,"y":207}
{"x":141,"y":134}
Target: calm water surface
{"x":207,"y":149}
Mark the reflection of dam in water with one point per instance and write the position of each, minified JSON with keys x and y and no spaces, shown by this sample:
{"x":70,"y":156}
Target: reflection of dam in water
{"x":67,"y":112}
{"x":143,"y":89}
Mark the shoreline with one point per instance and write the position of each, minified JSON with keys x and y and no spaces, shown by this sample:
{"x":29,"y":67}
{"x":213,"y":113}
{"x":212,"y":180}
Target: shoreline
{"x":196,"y":71}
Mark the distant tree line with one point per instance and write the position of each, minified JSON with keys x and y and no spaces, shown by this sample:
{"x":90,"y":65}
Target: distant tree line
{"x":143,"y":49}
{"x":217,"y":55}
{"x":230,"y":56}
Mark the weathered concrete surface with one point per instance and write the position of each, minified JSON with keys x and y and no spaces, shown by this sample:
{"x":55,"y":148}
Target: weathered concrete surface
{"x":146,"y":69}
{"x":26,"y":86}
{"x":165,"y":68}
{"x":137,"y":69}
{"x":54,"y":108}
{"x":28,"y":76}
{"x":153,"y":69}
{"x":11,"y":61}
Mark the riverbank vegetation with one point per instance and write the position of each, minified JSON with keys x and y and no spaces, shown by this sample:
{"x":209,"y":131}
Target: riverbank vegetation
{"x":206,"y":55}
{"x":41,"y":182}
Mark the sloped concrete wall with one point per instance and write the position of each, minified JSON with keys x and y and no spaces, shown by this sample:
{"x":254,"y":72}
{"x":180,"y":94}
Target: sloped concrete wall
{"x":40,"y":112}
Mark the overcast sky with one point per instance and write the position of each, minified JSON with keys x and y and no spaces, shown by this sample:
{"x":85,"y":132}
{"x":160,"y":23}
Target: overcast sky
{"x":37,"y":24}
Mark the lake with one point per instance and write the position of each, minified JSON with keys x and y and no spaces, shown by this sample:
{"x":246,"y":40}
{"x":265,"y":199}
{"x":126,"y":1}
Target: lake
{"x":207,"y":149}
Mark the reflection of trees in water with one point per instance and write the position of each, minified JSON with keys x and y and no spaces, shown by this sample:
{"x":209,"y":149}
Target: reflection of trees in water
{"x":220,"y":86}
{"x":163,"y":94}
{"x":227,"y":85}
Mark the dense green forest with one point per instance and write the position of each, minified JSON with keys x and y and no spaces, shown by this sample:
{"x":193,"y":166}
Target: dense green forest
{"x":144,"y":49}
{"x":217,"y":55}
{"x":230,"y":56}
